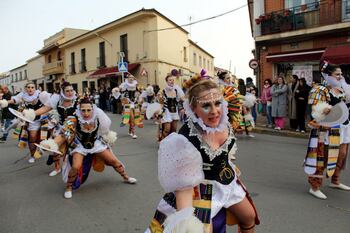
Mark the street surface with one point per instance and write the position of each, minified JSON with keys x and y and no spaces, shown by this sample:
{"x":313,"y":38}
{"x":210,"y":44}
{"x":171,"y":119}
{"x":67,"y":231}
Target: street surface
{"x":32,"y":202}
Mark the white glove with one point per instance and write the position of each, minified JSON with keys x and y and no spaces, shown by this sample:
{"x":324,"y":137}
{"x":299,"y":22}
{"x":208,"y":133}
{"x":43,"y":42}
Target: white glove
{"x":183,"y":221}
{"x":49,"y":144}
{"x":4,"y":103}
{"x":110,"y":137}
{"x":29,"y":114}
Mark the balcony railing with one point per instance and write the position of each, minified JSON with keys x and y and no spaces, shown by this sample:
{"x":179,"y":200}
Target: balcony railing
{"x":100,"y":62}
{"x":72,"y":69}
{"x":304,"y":16}
{"x":82,"y":67}
{"x":53,"y":68}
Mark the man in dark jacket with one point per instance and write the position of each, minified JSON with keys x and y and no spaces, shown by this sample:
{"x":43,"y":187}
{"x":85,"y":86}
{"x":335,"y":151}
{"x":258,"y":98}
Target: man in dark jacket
{"x":7,"y":116}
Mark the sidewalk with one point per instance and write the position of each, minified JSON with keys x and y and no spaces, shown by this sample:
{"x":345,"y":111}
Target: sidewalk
{"x":287,"y":132}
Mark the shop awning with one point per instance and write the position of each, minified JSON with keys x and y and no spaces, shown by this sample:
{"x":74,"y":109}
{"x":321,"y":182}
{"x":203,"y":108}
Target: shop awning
{"x":110,"y":71}
{"x":337,"y":54}
{"x":305,"y":55}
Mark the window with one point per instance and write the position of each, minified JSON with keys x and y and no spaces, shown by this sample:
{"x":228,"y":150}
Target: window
{"x":83,"y":60}
{"x":101,"y":60}
{"x":124,"y":46}
{"x":204,"y":63}
{"x":185,"y":54}
{"x":49,"y":59}
{"x":59,"y":58}
{"x":20,"y":76}
{"x":72,"y":63}
{"x":194,"y":59}
{"x":200,"y":61}
{"x":16,"y":77}
{"x":25,"y":74}
{"x":208,"y":66}
{"x":311,"y":4}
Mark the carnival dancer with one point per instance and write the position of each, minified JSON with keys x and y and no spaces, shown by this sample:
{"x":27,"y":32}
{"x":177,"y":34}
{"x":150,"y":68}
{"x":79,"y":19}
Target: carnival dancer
{"x":172,"y":97}
{"x":31,"y":133}
{"x":89,"y":131}
{"x":233,"y":98}
{"x":131,"y":113}
{"x":65,"y":104}
{"x":195,"y":171}
{"x":327,"y":148}
{"x":146,"y":98}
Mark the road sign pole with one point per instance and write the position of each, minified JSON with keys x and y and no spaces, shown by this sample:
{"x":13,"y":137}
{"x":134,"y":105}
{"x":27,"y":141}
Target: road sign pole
{"x":122,"y":60}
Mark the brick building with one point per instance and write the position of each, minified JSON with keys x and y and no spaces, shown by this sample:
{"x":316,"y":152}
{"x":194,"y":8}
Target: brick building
{"x":292,"y":36}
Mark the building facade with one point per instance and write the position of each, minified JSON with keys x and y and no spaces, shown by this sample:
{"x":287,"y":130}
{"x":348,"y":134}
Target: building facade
{"x":35,"y":72}
{"x":53,"y":68}
{"x":292,"y":36}
{"x":19,"y":78}
{"x":91,"y":59}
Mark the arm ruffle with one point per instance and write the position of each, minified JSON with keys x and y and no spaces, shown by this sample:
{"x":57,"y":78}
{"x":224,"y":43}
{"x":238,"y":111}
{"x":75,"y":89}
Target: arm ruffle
{"x":180,"y":164}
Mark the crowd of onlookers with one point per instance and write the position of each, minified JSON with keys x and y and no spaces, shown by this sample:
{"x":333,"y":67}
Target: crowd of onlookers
{"x":279,"y":101}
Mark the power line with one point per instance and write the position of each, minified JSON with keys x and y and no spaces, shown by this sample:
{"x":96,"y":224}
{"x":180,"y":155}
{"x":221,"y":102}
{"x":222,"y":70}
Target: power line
{"x":199,"y":21}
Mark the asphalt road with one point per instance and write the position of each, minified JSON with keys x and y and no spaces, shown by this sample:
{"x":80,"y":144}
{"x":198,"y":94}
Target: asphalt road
{"x":32,"y":202}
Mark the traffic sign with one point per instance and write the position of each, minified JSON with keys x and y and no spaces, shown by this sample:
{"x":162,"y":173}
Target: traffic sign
{"x":123,"y":67}
{"x":253,"y":64}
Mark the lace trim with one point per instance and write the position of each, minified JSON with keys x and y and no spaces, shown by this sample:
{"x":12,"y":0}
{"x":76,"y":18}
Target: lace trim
{"x":61,"y":103}
{"x":223,"y":121}
{"x":211,"y":153}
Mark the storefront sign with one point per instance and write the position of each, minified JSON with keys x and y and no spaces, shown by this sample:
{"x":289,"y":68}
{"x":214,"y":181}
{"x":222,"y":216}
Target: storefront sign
{"x":304,"y":72}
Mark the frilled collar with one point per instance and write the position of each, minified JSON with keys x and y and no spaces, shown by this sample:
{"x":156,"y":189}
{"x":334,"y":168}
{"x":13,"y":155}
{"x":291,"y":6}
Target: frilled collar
{"x":30,"y":98}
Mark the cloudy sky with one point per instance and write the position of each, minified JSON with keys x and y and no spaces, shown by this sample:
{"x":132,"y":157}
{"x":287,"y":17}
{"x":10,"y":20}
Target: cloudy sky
{"x":25,"y":24}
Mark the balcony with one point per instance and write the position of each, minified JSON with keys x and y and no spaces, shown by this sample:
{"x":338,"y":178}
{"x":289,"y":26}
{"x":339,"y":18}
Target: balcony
{"x":303,"y":17}
{"x":100,"y":62}
{"x":53,"y":68}
{"x":82,"y":67}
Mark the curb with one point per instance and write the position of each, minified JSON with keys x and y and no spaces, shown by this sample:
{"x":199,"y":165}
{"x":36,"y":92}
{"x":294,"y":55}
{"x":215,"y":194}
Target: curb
{"x":284,"y":133}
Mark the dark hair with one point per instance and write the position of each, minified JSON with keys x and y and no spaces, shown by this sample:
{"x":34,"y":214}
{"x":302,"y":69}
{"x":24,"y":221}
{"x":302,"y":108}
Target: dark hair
{"x":241,"y":87}
{"x":64,"y":85}
{"x":295,"y":77}
{"x":249,"y":80}
{"x":222,"y":74}
{"x":269,"y":81}
{"x":330,"y":68}
{"x":303,"y":80}
{"x":167,"y":77}
{"x":85,"y":100}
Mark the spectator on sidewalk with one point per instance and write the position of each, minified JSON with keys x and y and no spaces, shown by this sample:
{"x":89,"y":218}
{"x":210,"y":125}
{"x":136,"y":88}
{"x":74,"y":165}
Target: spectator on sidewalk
{"x":279,"y":102}
{"x":292,"y":107}
{"x":250,"y":87}
{"x":301,"y":97}
{"x":7,"y":116}
{"x":241,"y":87}
{"x":266,"y":100}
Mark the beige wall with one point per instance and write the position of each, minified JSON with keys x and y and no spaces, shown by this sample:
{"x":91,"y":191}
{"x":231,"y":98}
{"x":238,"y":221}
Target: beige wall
{"x":158,"y":52}
{"x":196,"y":66}
{"x":35,"y":67}
{"x":18,"y":84}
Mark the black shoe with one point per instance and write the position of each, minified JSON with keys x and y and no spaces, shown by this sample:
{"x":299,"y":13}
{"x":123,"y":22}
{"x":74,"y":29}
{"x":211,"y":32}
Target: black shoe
{"x":2,"y":140}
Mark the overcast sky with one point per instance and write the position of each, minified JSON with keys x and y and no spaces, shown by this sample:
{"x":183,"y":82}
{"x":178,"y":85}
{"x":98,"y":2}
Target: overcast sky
{"x":25,"y":24}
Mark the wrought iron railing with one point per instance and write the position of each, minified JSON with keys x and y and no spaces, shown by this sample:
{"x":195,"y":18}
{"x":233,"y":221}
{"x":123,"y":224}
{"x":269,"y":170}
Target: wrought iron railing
{"x":304,"y":16}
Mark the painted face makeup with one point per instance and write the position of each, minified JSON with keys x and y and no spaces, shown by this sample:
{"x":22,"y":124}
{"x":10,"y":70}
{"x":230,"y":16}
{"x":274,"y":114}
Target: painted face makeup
{"x":209,"y":107}
{"x":30,"y":89}
{"x":86,"y":111}
{"x":69,"y":92}
{"x":170,"y":81}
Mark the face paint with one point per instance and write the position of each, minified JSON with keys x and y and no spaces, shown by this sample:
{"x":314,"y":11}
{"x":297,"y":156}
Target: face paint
{"x":209,"y":107}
